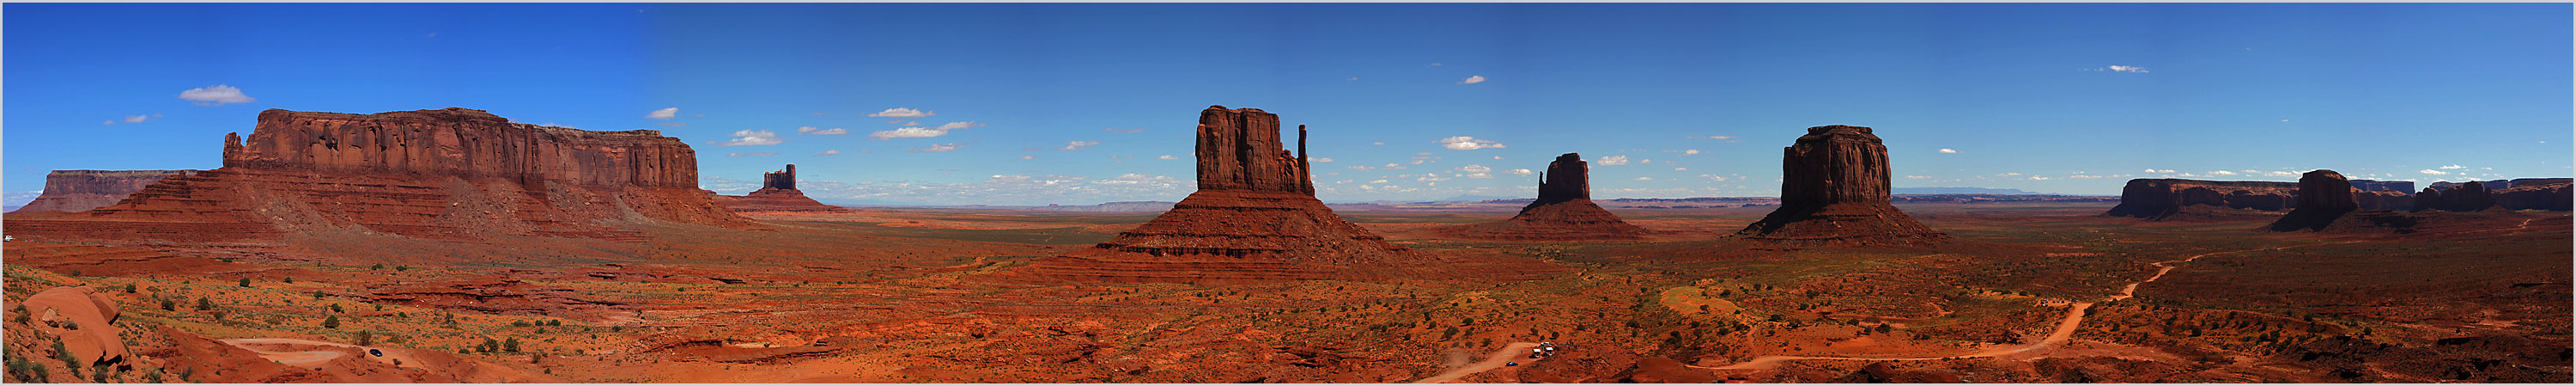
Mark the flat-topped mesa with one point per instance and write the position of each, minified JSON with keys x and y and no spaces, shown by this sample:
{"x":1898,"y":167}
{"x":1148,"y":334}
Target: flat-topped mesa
{"x":2537,"y":194}
{"x":81,"y":190}
{"x":2324,"y":196}
{"x":1254,"y":218}
{"x":2160,"y":198}
{"x":464,"y":143}
{"x":777,"y":194}
{"x":454,"y":173}
{"x":1563,"y":211}
{"x":2468,"y":197}
{"x":1834,"y":191}
{"x":1239,"y":149}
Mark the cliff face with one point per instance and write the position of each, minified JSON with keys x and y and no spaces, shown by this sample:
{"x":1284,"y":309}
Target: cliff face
{"x":2159,"y":198}
{"x":1834,"y":191}
{"x":2536,"y":193}
{"x":2324,"y":196}
{"x":1254,"y":218}
{"x":442,"y":174}
{"x":1563,"y":211}
{"x":777,"y":194}
{"x":2469,"y":197}
{"x":80,"y":190}
{"x":2401,"y":187}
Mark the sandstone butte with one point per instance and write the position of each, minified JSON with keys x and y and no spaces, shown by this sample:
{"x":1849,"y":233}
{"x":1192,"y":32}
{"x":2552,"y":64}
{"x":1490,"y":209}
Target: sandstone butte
{"x":1564,"y":211}
{"x":452,"y":174}
{"x":777,"y":194}
{"x":2159,"y":198}
{"x":1834,"y":192}
{"x":2324,"y":196}
{"x":1254,"y":218}
{"x":80,"y":190}
{"x":2469,"y":197}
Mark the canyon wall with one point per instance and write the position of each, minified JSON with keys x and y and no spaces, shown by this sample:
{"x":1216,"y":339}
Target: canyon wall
{"x":80,"y":190}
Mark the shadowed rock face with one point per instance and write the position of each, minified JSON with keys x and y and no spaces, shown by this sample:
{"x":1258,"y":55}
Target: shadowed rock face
{"x":2469,"y":197}
{"x":80,"y":190}
{"x":777,"y":194}
{"x":1254,"y":218}
{"x":1563,"y":211}
{"x":2537,"y":193}
{"x":1834,"y":191}
{"x":2158,"y":198}
{"x":443,"y":174}
{"x":2324,"y":196}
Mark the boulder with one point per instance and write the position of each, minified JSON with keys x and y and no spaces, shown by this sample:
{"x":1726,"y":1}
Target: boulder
{"x":83,"y":318}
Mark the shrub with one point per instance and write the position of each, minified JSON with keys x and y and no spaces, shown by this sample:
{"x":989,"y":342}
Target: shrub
{"x":245,"y":282}
{"x":203,"y":304}
{"x":332,"y":321}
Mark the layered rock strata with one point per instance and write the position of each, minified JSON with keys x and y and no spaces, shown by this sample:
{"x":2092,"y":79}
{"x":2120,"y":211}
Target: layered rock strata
{"x":1254,"y":218}
{"x":1834,"y":191}
{"x":2536,"y":194}
{"x":80,"y":190}
{"x":2159,"y":198}
{"x":2469,"y":197}
{"x":1563,"y":211}
{"x":2324,"y":196}
{"x":777,"y":194}
{"x":455,"y":173}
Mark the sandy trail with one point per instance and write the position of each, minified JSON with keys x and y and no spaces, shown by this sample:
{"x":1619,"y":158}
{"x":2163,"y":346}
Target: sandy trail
{"x":1492,"y":361}
{"x":2065,"y":327}
{"x":289,"y":358}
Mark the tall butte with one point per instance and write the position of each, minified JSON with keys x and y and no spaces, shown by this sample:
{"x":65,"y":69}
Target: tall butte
{"x":2324,"y":196}
{"x":777,"y":194}
{"x":1254,"y":218}
{"x":455,"y":174}
{"x":1563,"y":211}
{"x":1834,"y":191}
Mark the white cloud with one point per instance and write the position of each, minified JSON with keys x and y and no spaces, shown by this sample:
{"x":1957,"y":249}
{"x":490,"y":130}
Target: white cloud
{"x":1612,"y":160}
{"x":1361,"y":168}
{"x":1719,"y":137}
{"x":1521,"y":172}
{"x":810,"y":130}
{"x":756,"y":154}
{"x":934,"y":148}
{"x":1915,"y":177}
{"x":1468,"y":143}
{"x":1167,"y":157}
{"x":1318,"y":159}
{"x":2452,"y":167}
{"x":1378,"y":143}
{"x":136,"y":118}
{"x":2038,"y":178}
{"x":902,"y":113}
{"x":1949,"y":151}
{"x":216,"y":95}
{"x":921,"y":132}
{"x":1028,"y":157}
{"x":665,"y":113}
{"x":1690,"y":152}
{"x":2432,"y":172}
{"x":2116,"y":68}
{"x":2281,"y":174}
{"x":1713,"y":177}
{"x":2222,"y":173}
{"x":1681,"y":169}
{"x":1473,"y":80}
{"x":2084,"y":176}
{"x":1645,"y":178}
{"x":827,"y":153}
{"x":752,"y":138}
{"x":1475,"y":169}
{"x":2165,"y":171}
{"x":1077,"y":145}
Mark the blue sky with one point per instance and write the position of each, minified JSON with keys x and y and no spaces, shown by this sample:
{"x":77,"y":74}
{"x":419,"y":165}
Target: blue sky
{"x":1075,"y":103}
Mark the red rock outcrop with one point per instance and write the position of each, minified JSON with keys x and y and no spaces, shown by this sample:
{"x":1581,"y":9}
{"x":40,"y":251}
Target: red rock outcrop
{"x":2537,"y":194}
{"x":2324,"y":196}
{"x":777,"y":194}
{"x":2469,"y":197}
{"x":83,"y":319}
{"x":1563,"y":211}
{"x":2160,"y":198}
{"x":1254,"y":218}
{"x":1834,"y":191}
{"x":2384,"y":199}
{"x":80,"y":190}
{"x":455,"y":174}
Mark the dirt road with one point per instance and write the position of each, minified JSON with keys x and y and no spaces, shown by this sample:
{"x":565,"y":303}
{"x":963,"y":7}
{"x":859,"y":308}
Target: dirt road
{"x":1509,"y":352}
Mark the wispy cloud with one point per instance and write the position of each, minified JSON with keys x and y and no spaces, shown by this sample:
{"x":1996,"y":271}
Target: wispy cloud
{"x":902,"y":113}
{"x":1949,"y":151}
{"x":1167,"y":157}
{"x":1077,"y":145}
{"x":2163,"y":171}
{"x":935,"y":148}
{"x":752,"y":138}
{"x":665,"y":113}
{"x":921,"y":132}
{"x":216,"y":95}
{"x":2452,"y":167}
{"x":1521,"y":172}
{"x":1473,"y":80}
{"x":2119,"y":68}
{"x":2433,"y":172}
{"x":828,"y":153}
{"x":1612,"y":160}
{"x":810,"y":130}
{"x":1468,"y":143}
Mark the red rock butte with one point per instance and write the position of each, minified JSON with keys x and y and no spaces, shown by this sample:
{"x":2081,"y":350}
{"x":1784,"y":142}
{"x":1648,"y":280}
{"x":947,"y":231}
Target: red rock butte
{"x":1834,"y":192}
{"x":81,"y":190}
{"x":1254,"y":218}
{"x":1564,"y":211}
{"x":2324,"y":196}
{"x":777,"y":194}
{"x":453,"y":174}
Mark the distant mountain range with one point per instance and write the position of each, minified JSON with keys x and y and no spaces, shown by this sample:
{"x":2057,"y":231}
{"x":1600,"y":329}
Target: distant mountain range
{"x":1965,"y":190}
